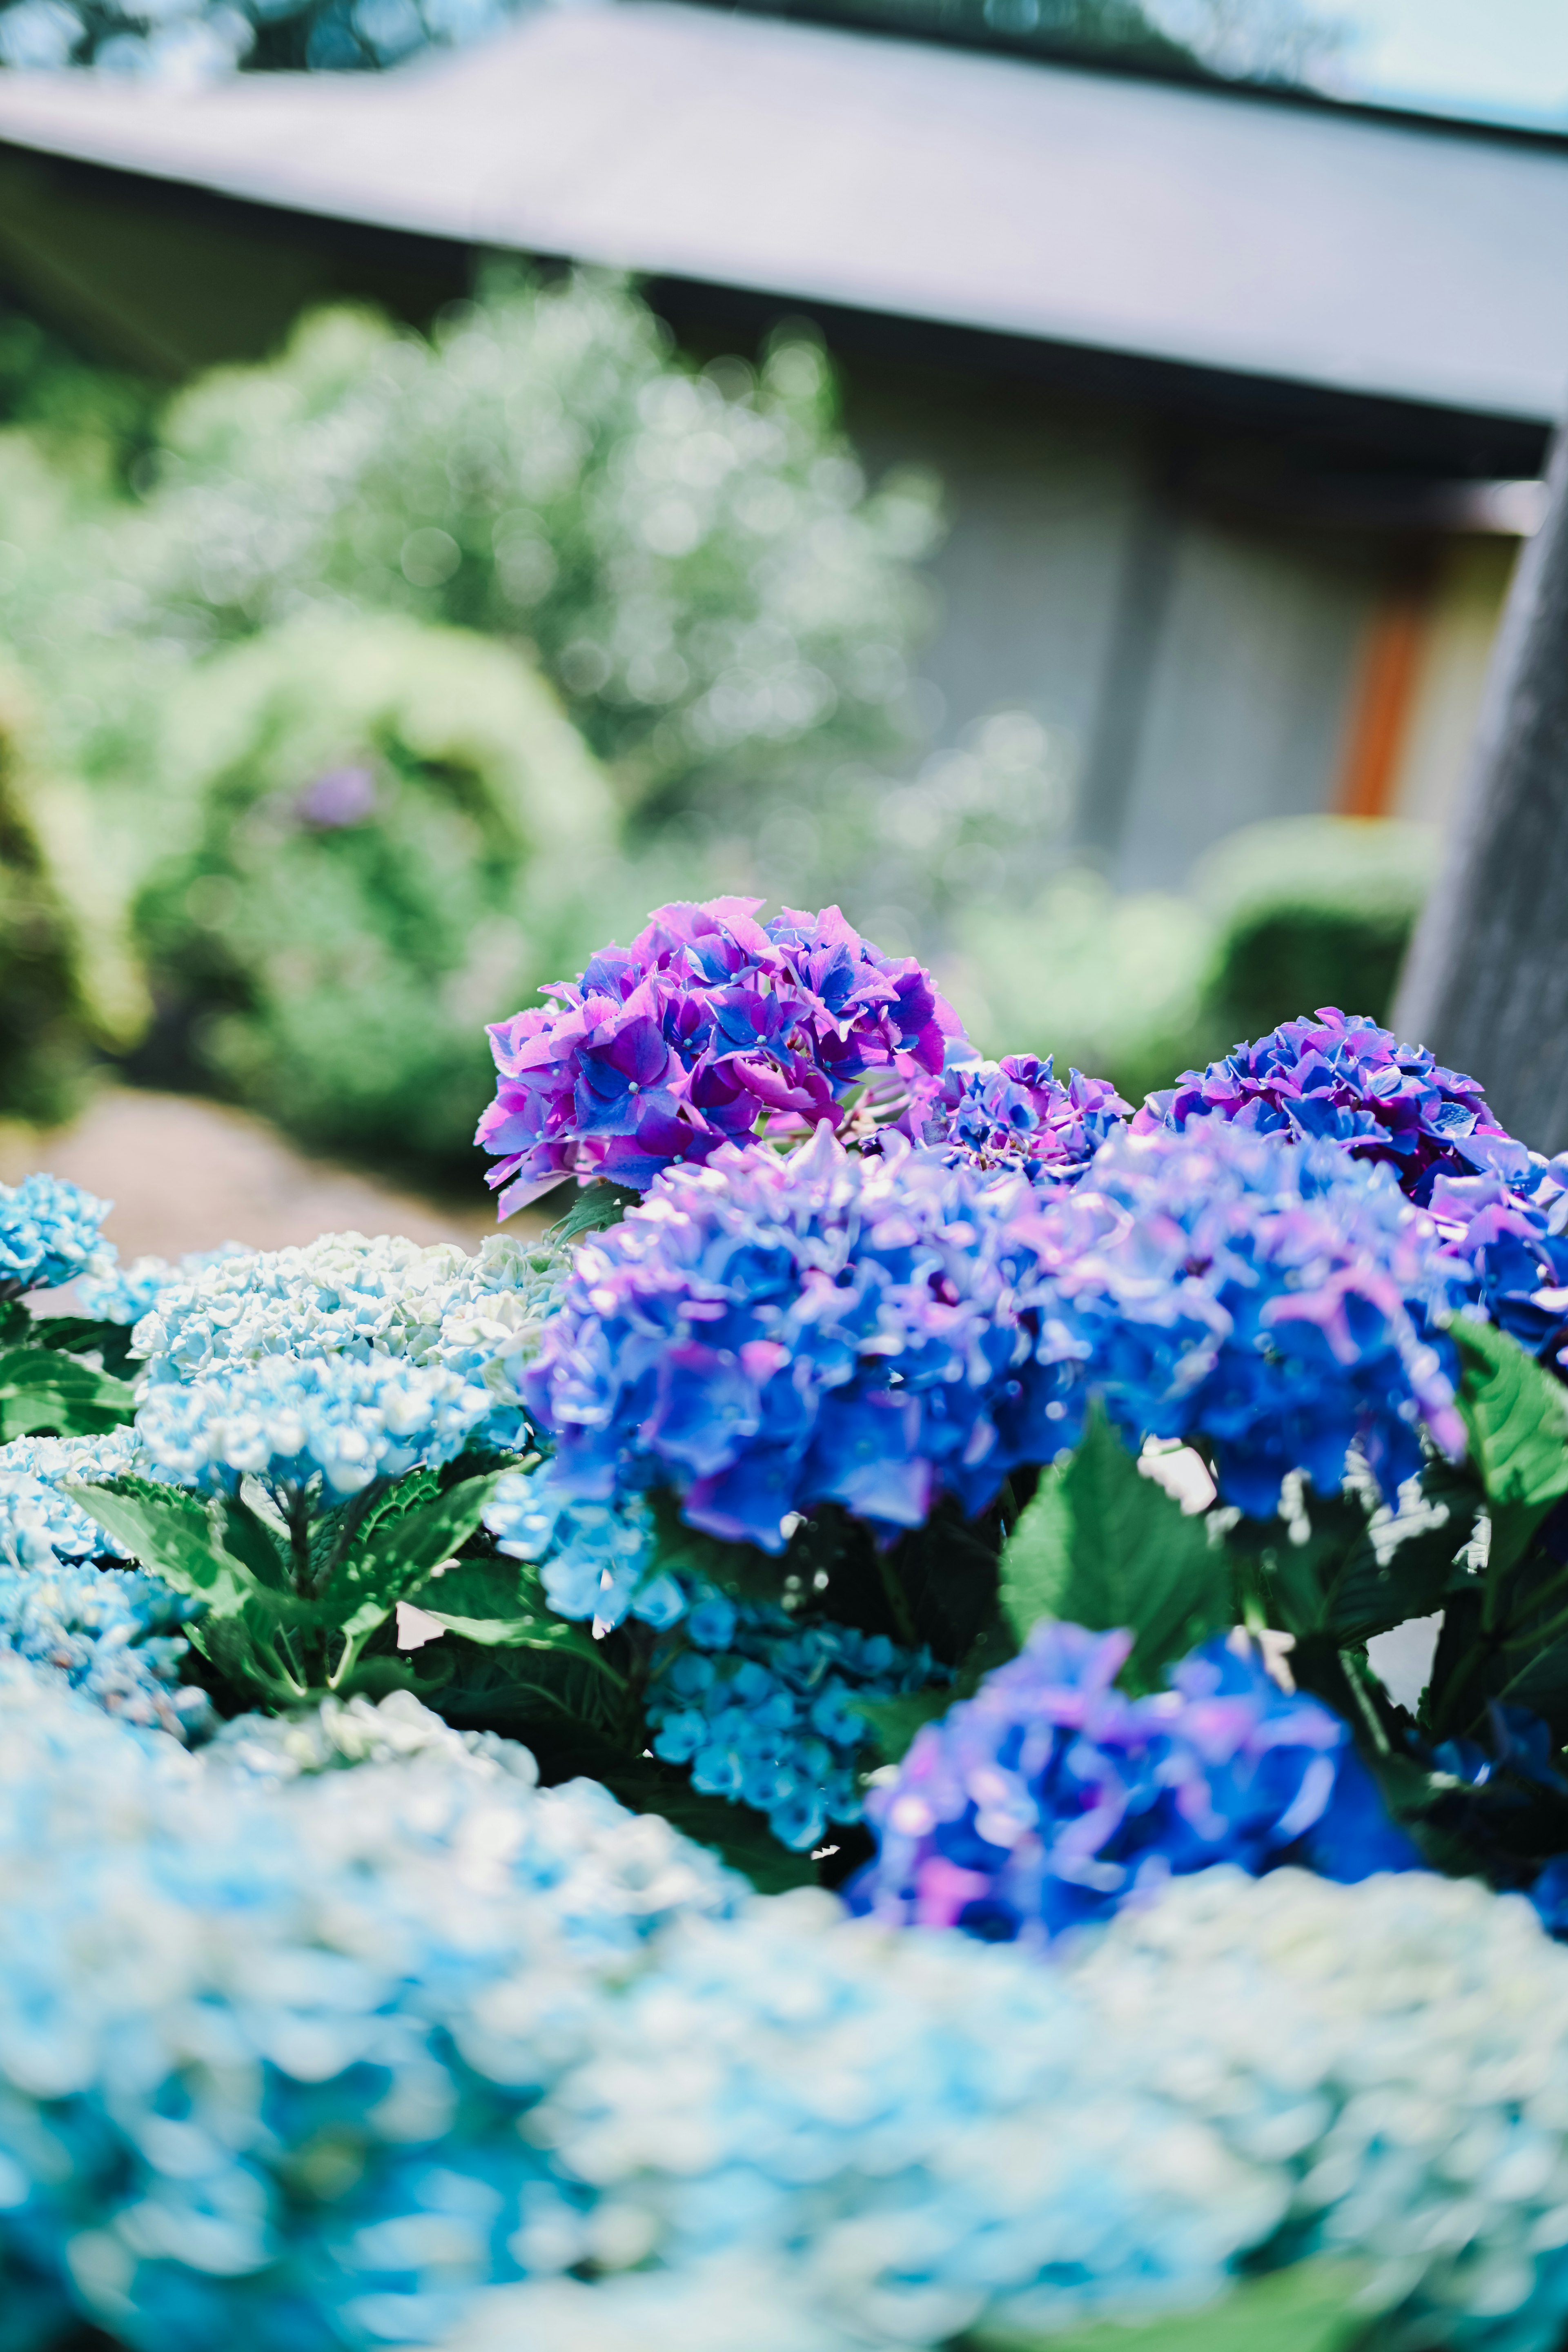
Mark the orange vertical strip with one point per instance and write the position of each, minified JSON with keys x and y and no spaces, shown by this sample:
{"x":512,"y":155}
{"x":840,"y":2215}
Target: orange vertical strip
{"x":1380,"y":714}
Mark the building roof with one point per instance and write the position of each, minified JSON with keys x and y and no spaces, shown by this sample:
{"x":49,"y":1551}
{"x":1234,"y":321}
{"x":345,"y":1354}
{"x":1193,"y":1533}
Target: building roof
{"x":1355,"y":254}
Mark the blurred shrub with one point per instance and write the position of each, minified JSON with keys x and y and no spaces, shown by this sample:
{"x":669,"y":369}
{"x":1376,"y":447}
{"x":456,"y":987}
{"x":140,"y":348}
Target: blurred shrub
{"x":695,"y":558}
{"x":188,"y":41}
{"x":1314,"y":910}
{"x":391,"y":831}
{"x":43,"y":1041}
{"x":1286,"y":916}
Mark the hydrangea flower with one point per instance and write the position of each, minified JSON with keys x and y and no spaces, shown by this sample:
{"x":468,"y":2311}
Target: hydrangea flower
{"x":1283,"y":1303}
{"x":767,"y":1334}
{"x":1051,"y":1799}
{"x":346,"y":1295}
{"x":1513,"y":1235}
{"x":112,"y":1634}
{"x":40,"y":1527}
{"x":597,"y":1560}
{"x":762,"y":1708}
{"x":49,"y":1232}
{"x":1016,"y":1113}
{"x":710,"y":1027}
{"x":266,"y":2049}
{"x":1348,"y":1082}
{"x":295,"y":1422}
{"x":124,"y":1294}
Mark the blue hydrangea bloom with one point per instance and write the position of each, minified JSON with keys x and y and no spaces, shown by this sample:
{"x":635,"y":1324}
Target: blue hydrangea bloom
{"x":597,"y":1560}
{"x":1512,"y":1233}
{"x":49,"y":1232}
{"x":1050,"y":1798}
{"x":1283,"y":1302}
{"x":111,"y":1633}
{"x":762,"y":1708}
{"x":1347,"y":1081}
{"x":298,"y":1422}
{"x":40,"y":1527}
{"x":766,"y":1335}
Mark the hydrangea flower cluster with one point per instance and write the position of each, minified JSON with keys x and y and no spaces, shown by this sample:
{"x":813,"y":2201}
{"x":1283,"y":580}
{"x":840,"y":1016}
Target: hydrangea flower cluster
{"x":710,"y":1027}
{"x":40,"y":1527}
{"x":344,"y":1988}
{"x":124,"y":1294}
{"x":767,"y":1334}
{"x":1017,"y":1114}
{"x":294,"y":1422}
{"x":49,"y":1232}
{"x":1513,"y":1235}
{"x":112,"y":1635}
{"x":340,"y":1995}
{"x":764,"y":1336}
{"x":762,"y":1708}
{"x":596,"y":1560}
{"x":1051,"y":1798}
{"x":344,"y":1295}
{"x":1348,"y":1082}
{"x":1284,"y":1302}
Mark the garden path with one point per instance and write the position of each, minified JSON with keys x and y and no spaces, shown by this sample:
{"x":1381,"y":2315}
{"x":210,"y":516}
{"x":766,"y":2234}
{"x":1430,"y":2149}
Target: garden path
{"x":186,"y":1174}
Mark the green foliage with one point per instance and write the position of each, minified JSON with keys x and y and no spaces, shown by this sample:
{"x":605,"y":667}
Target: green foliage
{"x":44,"y":1392}
{"x":1311,"y":910}
{"x":1102,"y":1546}
{"x":391,"y":831}
{"x":43,"y":1034}
{"x":1310,"y":2307}
{"x":291,"y":1605}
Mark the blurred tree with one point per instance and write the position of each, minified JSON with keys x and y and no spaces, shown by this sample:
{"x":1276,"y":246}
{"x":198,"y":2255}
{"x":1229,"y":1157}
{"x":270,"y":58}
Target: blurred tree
{"x":392,"y":832}
{"x":43,"y":1034}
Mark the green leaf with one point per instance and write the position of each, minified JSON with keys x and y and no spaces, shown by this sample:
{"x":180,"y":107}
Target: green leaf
{"x":1401,"y":1567}
{"x":894,"y":1722}
{"x":41,"y":1390}
{"x":681,"y":1551}
{"x":83,"y":1334}
{"x":394,"y":1553}
{"x":596,"y":1206}
{"x":1102,"y":1546}
{"x":1516,"y":1417}
{"x":1307,"y":2308}
{"x":500,"y":1604}
{"x":171,"y":1532}
{"x":16,"y":1323}
{"x":247,"y":1537}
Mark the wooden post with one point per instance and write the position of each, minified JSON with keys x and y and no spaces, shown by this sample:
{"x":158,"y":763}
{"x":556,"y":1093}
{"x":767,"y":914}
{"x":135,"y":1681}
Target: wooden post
{"x":1486,"y":982}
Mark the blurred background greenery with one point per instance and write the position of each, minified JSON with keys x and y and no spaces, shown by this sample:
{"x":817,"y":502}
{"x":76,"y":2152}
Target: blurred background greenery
{"x":368,"y":688}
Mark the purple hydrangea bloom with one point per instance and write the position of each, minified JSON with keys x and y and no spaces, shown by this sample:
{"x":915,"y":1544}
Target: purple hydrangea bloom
{"x":1349,"y":1081}
{"x":1282,"y":1304}
{"x":1050,"y":1798}
{"x":709,"y":1028}
{"x":1017,"y":1114}
{"x":767,"y":1334}
{"x":1513,"y":1237}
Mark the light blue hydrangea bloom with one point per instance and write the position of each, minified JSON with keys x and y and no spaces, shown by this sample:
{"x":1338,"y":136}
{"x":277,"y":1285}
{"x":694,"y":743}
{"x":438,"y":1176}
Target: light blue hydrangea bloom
{"x":597,"y":1560}
{"x":345,"y":1295}
{"x":40,"y":1527}
{"x":293,"y":1421}
{"x":49,"y":1232}
{"x":762,"y":1708}
{"x":268,"y":2029}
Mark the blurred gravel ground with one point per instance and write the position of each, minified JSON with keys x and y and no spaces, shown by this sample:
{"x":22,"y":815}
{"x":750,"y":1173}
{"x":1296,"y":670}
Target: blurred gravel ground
{"x":186,"y":1174}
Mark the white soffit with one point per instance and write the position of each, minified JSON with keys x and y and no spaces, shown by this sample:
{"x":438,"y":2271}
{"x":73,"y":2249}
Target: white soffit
{"x":922,"y":181}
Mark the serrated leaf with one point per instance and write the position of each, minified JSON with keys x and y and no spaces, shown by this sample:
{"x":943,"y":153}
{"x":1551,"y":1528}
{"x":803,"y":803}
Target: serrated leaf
{"x":1307,"y":2308}
{"x":596,"y":1206}
{"x":1516,"y":1418}
{"x":245,"y":1536}
{"x":894,"y":1722}
{"x":393,"y":1554}
{"x":1104,"y":1546}
{"x":170,"y":1532}
{"x":43,"y":1390}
